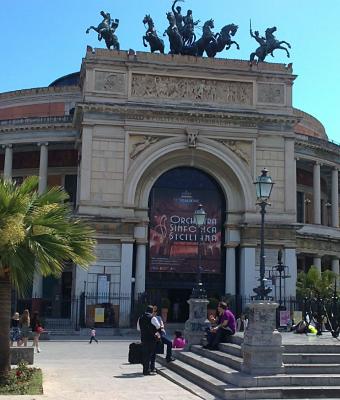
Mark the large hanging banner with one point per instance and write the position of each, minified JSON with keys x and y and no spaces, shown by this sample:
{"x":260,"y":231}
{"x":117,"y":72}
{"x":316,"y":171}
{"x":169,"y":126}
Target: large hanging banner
{"x":173,"y":244}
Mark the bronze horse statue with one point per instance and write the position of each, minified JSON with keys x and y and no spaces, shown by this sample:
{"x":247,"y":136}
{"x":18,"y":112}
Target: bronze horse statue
{"x":106,"y":30}
{"x":175,"y":38}
{"x":267,"y":44}
{"x":208,"y":37}
{"x":156,"y":44}
{"x":223,"y":40}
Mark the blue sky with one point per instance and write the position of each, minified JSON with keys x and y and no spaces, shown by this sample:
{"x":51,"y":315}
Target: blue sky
{"x":42,"y":40}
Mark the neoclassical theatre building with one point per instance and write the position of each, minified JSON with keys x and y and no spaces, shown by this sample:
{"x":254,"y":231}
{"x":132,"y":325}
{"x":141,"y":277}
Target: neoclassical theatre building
{"x":139,"y":140}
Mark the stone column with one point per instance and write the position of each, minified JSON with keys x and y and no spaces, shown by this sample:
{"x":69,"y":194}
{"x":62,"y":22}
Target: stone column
{"x":230,"y":272}
{"x":316,"y":193}
{"x":125,"y":284}
{"x":37,"y":290}
{"x":8,"y":161}
{"x":43,"y":167}
{"x":290,"y":177}
{"x":291,"y":262}
{"x":140,"y":269}
{"x":335,"y":198}
{"x":86,"y":164}
{"x":247,"y":271}
{"x":262,"y":346}
{"x":317,"y":262}
{"x":335,"y":265}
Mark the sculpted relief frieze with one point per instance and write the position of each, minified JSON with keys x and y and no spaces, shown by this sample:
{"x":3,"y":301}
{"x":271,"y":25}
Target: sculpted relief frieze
{"x":270,"y":93}
{"x":139,"y":143}
{"x":191,"y":89}
{"x":240,"y":148}
{"x":113,"y":82}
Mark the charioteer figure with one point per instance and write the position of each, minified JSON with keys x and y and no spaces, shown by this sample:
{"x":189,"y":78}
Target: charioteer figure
{"x":267,"y":44}
{"x":178,"y":16}
{"x":106,"y":30}
{"x":188,"y":33}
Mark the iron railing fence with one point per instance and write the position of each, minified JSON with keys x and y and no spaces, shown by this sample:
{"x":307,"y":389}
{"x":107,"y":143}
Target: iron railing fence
{"x":121,"y":310}
{"x":111,"y":310}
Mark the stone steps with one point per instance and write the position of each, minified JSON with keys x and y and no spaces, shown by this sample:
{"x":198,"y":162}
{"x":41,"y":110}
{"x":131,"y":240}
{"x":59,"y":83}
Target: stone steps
{"x":312,"y":369}
{"x":311,"y":358}
{"x":221,"y":390}
{"x":309,"y":374}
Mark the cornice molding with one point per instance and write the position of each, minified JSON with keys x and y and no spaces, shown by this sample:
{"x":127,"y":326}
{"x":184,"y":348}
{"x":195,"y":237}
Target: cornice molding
{"x":36,"y":124}
{"x":151,"y":112}
{"x":39,"y":91}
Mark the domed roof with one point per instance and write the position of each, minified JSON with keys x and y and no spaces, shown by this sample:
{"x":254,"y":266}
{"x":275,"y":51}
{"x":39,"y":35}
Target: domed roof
{"x":67,"y":80}
{"x":309,"y":125}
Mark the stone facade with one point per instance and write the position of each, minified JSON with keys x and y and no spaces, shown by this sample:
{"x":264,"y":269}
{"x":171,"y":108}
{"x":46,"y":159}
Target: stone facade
{"x":135,"y":117}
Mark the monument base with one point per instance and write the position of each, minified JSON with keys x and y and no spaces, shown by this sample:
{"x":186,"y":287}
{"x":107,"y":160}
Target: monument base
{"x":197,"y":323}
{"x":262,"y":346}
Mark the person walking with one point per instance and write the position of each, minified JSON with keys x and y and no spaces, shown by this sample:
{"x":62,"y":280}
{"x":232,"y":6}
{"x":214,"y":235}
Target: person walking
{"x":149,"y":327}
{"x":37,"y":329}
{"x":93,"y":336}
{"x":25,"y":324}
{"x":15,"y":335}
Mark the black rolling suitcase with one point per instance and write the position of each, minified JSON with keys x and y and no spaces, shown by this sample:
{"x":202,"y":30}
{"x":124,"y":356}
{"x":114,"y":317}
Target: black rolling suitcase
{"x":135,"y":353}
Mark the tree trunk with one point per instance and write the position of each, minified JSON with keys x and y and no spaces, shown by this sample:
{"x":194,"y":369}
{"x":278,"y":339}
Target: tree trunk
{"x":5,"y":316}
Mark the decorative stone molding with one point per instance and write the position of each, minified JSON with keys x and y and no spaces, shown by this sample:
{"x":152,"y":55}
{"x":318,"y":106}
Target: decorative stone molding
{"x":239,"y":148}
{"x":141,"y":145}
{"x":270,"y":93}
{"x":192,"y":137}
{"x":191,"y":89}
{"x":214,"y":117}
{"x":113,"y":82}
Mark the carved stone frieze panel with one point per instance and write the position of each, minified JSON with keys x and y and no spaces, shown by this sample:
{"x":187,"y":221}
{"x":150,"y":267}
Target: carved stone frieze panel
{"x":270,"y":93}
{"x":240,"y":148}
{"x":191,"y":89}
{"x":139,"y":143}
{"x":113,"y":82}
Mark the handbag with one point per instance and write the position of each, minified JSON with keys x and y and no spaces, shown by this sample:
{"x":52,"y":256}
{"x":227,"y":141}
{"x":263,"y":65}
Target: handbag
{"x":135,"y":355}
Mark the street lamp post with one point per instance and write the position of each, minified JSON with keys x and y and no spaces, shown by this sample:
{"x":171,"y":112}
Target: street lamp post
{"x":264,"y":186}
{"x":200,"y":217}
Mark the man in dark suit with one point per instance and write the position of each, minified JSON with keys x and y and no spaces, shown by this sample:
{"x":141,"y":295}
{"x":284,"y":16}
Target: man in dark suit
{"x":149,"y":327}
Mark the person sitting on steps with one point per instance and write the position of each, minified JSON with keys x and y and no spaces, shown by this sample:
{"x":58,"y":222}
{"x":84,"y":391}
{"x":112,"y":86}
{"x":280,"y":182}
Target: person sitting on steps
{"x":226,"y":326}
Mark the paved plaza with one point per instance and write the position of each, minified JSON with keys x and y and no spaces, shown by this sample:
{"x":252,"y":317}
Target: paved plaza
{"x":74,"y":370}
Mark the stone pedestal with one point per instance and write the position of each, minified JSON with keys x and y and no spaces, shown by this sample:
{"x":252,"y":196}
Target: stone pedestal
{"x":262,"y":346}
{"x":195,"y":326}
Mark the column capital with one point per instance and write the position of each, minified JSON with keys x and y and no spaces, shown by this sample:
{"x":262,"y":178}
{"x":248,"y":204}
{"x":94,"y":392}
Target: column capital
{"x":39,"y":144}
{"x":8,"y":145}
{"x":318,"y":163}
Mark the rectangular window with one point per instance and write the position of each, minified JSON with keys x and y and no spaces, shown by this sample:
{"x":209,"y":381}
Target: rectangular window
{"x":70,"y":186}
{"x":300,"y":207}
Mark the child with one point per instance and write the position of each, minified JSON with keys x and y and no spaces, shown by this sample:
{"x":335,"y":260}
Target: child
{"x":179,"y":341}
{"x":93,"y":336}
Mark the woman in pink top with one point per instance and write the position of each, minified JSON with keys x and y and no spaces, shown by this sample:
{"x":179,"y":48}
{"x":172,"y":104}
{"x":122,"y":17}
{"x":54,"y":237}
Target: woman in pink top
{"x":179,"y":341}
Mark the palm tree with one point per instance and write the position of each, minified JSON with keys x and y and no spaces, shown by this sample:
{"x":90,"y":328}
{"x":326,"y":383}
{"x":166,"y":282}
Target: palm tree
{"x":315,"y":283}
{"x":37,"y":233}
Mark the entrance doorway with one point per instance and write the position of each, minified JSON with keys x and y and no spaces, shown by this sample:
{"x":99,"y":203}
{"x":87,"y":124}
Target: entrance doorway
{"x":172,"y":258}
